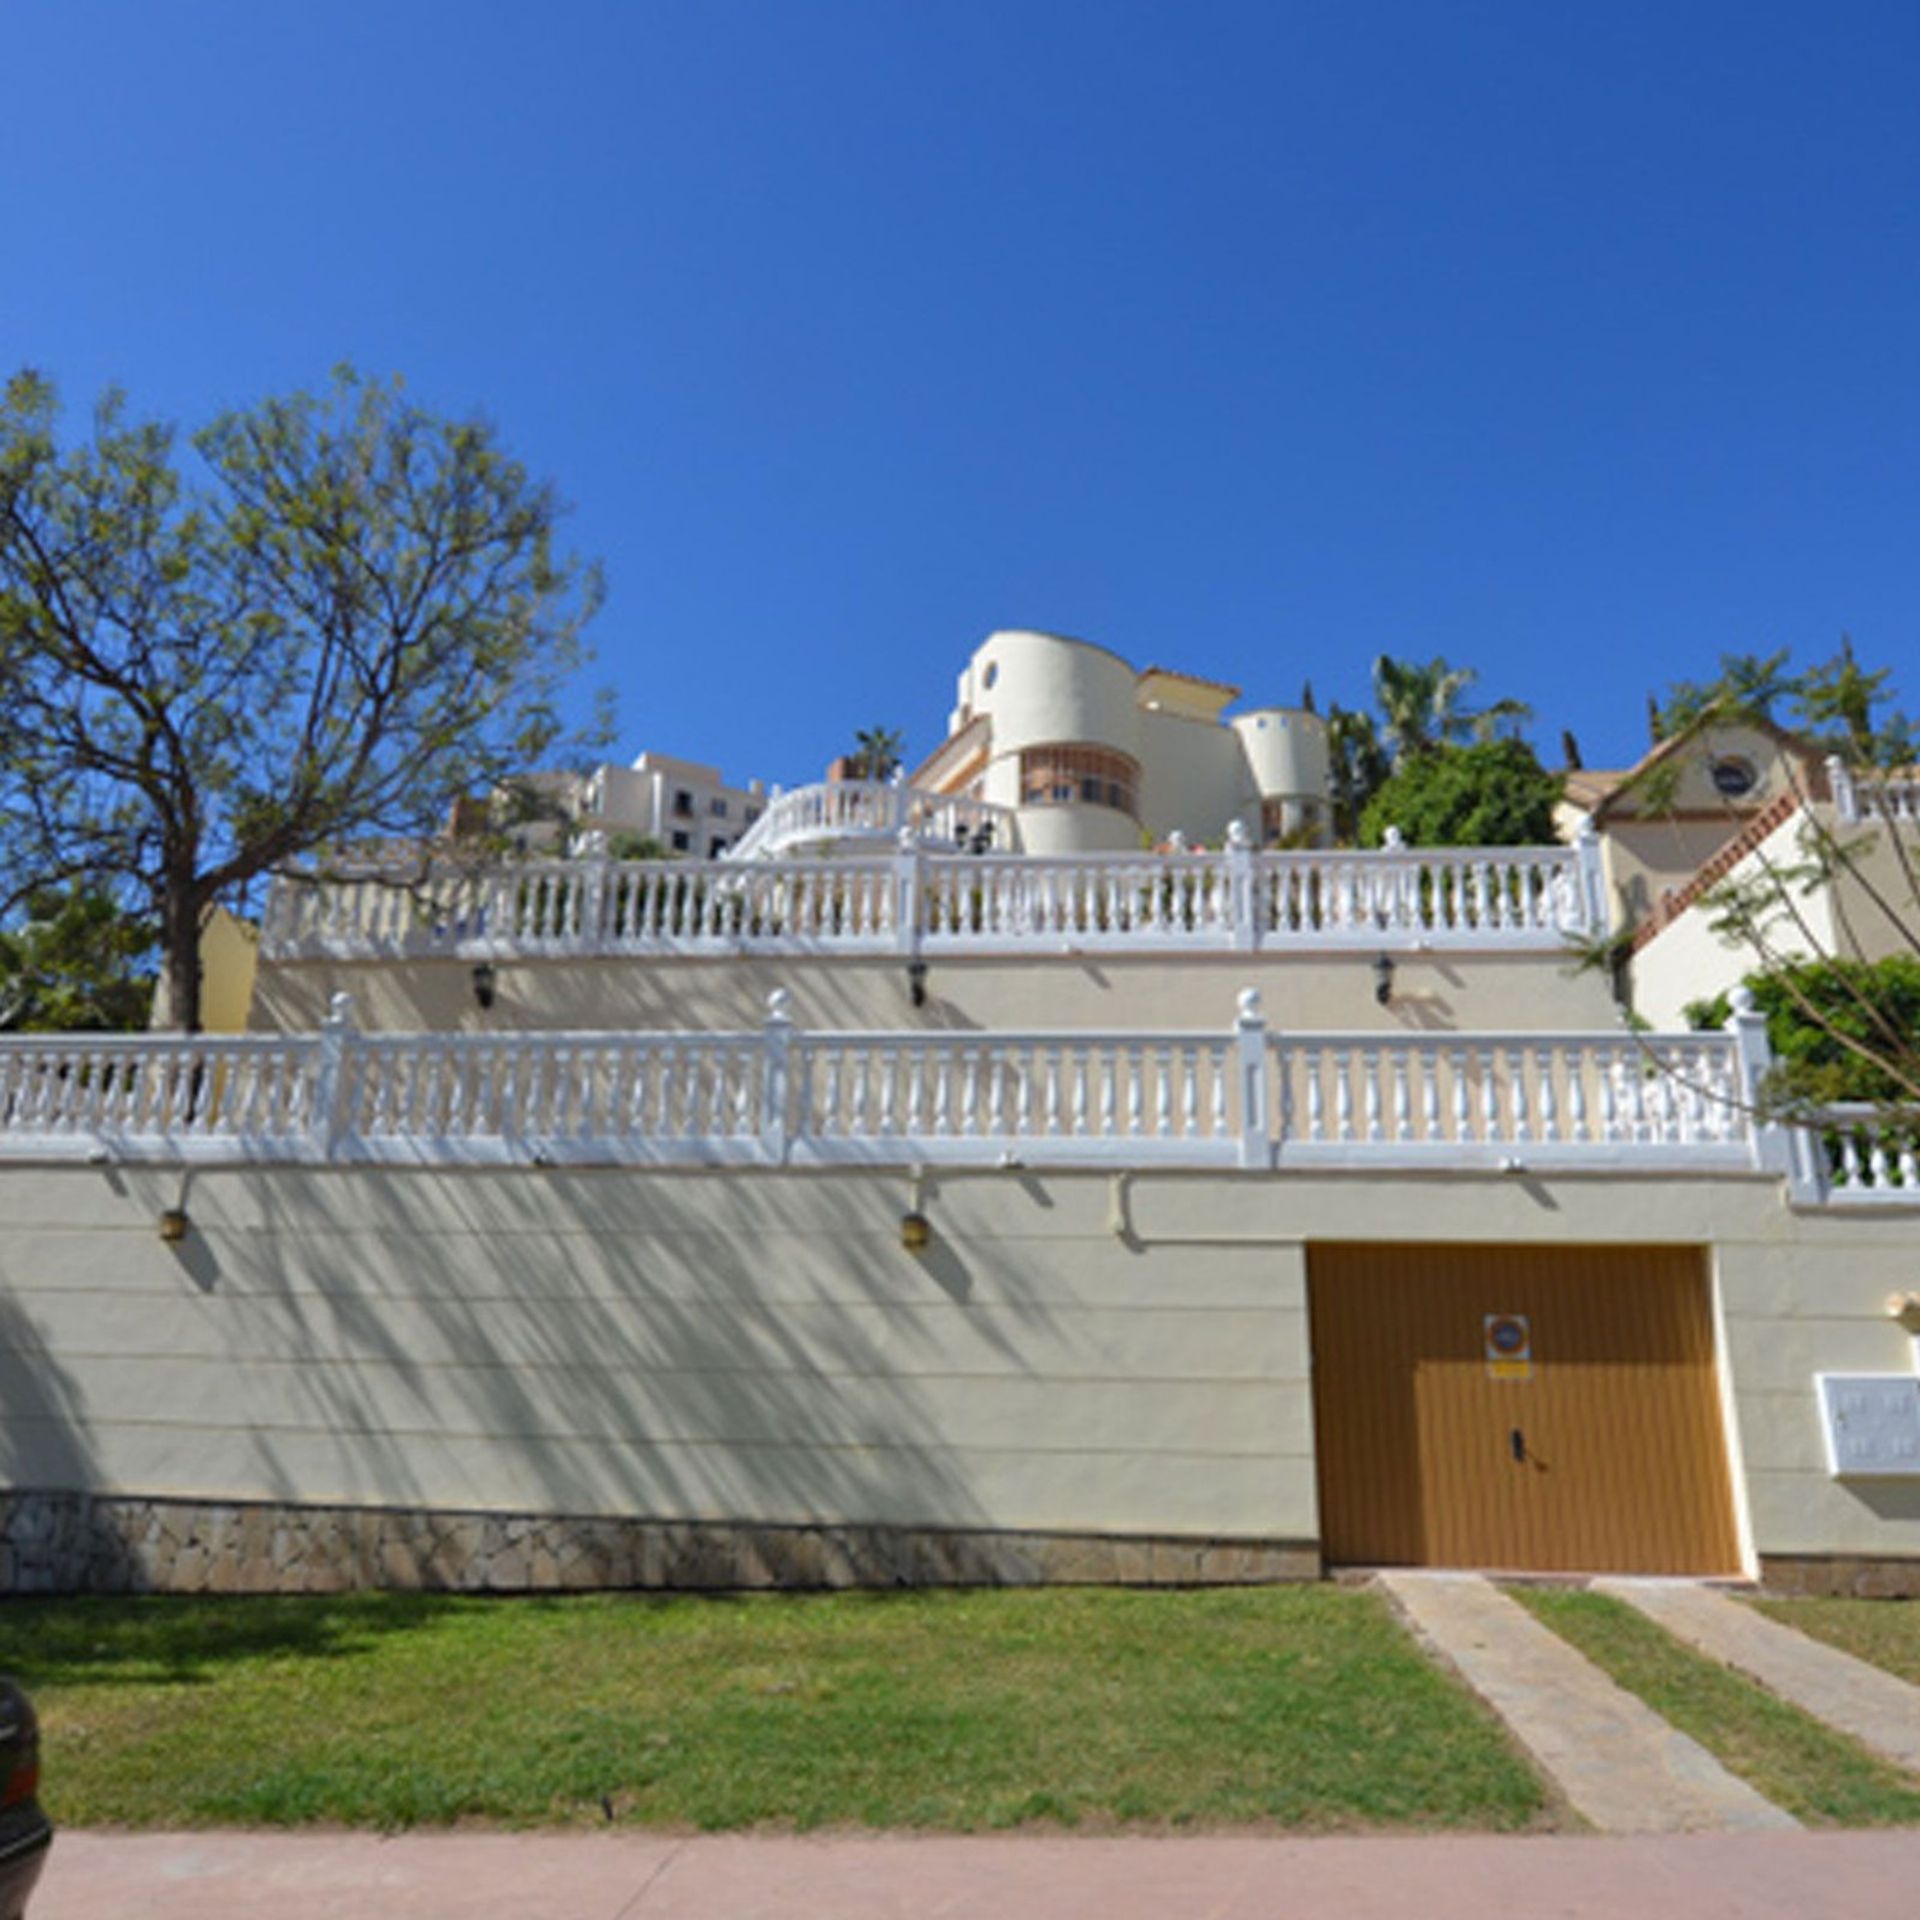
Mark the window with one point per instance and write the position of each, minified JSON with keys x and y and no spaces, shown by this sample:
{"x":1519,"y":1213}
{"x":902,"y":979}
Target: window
{"x":680,"y":842}
{"x":717,"y":806}
{"x":1733,"y":778}
{"x":753,"y":814}
{"x":682,"y":803}
{"x":1064,"y":776}
{"x":716,"y":846}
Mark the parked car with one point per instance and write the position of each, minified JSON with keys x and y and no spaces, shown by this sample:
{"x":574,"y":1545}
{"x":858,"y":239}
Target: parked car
{"x":25,"y":1831}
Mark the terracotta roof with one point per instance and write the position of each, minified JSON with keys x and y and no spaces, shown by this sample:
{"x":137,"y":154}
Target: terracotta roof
{"x":971,"y":735}
{"x":1192,"y":679}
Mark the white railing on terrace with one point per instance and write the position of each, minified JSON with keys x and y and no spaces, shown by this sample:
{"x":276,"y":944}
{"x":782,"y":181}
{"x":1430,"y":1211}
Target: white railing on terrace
{"x":910,"y":902}
{"x":1870,"y":797}
{"x":860,"y":810}
{"x":1855,"y":1155}
{"x":1243,"y":1098}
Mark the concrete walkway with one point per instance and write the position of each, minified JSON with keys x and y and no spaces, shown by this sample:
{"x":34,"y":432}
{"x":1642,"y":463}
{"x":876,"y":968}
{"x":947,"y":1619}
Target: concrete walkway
{"x":1618,"y":1763}
{"x":1877,"y":1708}
{"x":493,"y":1876}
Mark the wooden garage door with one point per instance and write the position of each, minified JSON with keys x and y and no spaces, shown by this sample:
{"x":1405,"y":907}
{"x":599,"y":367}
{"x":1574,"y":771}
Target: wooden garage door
{"x":1548,"y":1409}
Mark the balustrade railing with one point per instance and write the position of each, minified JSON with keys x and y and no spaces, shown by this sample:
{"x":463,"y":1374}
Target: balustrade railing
{"x":911,"y":902}
{"x":1874,"y":796}
{"x":1519,"y":1100}
{"x":843,"y":810}
{"x":1244,"y":1097}
{"x":1855,"y":1154}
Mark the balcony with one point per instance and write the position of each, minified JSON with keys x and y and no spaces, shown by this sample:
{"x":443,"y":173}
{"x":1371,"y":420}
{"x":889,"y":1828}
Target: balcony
{"x":854,"y":813}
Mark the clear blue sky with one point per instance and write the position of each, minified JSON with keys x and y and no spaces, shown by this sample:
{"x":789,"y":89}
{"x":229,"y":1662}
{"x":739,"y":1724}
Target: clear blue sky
{"x":1577,"y":343}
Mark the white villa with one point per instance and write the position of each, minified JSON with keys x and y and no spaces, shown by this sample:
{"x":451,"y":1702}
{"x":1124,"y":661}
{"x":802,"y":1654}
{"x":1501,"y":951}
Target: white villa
{"x":1051,"y":1166}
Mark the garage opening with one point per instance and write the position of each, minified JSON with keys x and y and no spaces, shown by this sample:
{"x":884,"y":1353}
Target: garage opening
{"x":1522,"y":1408}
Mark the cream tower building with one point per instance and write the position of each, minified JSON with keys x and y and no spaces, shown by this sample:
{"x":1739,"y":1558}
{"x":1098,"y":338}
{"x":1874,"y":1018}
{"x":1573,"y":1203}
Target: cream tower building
{"x":1094,"y":755}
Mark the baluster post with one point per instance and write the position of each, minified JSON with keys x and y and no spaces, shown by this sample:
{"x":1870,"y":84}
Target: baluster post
{"x":908,"y":878}
{"x":1772,"y":1142}
{"x":1590,"y":913}
{"x":776,"y":1038}
{"x":326,"y":1112}
{"x":1240,"y":887}
{"x":1250,"y":1038}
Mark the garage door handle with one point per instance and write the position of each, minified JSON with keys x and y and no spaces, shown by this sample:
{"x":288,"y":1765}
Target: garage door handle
{"x":1518,"y":1442}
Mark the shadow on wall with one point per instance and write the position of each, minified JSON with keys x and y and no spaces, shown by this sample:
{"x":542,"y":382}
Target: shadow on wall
{"x":46,"y":1449}
{"x":467,"y":1341}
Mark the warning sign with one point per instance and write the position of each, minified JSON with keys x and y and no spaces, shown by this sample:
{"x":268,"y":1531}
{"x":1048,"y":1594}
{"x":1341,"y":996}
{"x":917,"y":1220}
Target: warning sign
{"x":1509,"y":1341}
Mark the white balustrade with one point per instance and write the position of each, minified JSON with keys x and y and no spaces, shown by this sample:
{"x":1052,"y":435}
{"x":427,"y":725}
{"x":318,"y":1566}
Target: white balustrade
{"x":1006,"y":1099}
{"x":1240,"y":1097}
{"x":911,"y":902}
{"x":1517,"y":1101}
{"x":88,"y":1095}
{"x":1871,"y":795}
{"x":838,"y":811}
{"x":1858,"y":1155}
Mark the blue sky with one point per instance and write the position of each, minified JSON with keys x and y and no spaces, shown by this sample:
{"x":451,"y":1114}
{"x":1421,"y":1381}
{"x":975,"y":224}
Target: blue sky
{"x":1579,"y":344}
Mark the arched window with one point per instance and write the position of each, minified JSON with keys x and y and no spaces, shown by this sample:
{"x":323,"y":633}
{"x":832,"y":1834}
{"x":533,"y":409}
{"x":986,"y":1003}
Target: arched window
{"x":1067,"y":776}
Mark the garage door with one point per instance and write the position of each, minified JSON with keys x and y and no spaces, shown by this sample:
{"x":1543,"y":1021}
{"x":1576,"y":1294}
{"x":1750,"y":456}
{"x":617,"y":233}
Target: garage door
{"x":1528,"y":1408}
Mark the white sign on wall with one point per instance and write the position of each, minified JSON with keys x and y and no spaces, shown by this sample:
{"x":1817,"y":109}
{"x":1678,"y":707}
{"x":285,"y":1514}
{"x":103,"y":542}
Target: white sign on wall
{"x":1872,"y":1423}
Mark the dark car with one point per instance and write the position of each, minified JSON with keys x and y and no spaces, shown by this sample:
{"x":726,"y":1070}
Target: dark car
{"x":25,"y":1831}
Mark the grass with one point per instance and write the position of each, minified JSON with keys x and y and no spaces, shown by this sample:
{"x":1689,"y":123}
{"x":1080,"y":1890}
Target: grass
{"x":1886,"y":1632}
{"x":1819,"y":1776}
{"x":1300,"y":1708}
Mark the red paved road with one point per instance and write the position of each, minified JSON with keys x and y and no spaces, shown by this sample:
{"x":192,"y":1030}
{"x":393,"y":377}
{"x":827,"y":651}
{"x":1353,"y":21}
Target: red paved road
{"x":491,"y":1876}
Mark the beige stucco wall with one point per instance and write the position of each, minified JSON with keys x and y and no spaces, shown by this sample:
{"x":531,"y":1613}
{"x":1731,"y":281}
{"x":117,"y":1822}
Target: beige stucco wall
{"x":1521,"y":992}
{"x":1657,"y":839}
{"x":1067,"y":1355}
{"x":1194,"y":778}
{"x":678,"y":1347}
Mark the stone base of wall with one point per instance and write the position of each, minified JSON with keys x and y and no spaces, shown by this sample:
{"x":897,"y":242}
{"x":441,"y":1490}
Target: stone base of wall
{"x":84,"y":1543}
{"x":1839,"y":1576}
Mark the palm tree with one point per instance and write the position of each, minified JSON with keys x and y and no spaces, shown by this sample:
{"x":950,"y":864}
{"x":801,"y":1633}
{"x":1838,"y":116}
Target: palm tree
{"x":1357,"y":764}
{"x":876,"y":753}
{"x":1422,"y":707}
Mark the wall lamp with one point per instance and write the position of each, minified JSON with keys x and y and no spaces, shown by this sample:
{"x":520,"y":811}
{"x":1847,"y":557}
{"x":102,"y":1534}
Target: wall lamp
{"x":1905,"y":1308}
{"x":917,"y":982}
{"x":915,"y":1228}
{"x":486,"y":984}
{"x":1383,"y":978}
{"x":173,"y":1225}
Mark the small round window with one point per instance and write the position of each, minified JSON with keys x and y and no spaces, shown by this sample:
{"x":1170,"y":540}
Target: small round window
{"x":1733,"y":777}
{"x":990,"y":673}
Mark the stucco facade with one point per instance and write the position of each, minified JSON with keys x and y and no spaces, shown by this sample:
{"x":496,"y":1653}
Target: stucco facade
{"x":1096,"y":755}
{"x":1068,"y":1357}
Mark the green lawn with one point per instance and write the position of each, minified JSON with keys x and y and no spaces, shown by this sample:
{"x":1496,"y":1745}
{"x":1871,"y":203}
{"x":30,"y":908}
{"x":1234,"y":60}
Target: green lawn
{"x":1299,"y":1707}
{"x":1887,"y":1632}
{"x":1818,"y":1775}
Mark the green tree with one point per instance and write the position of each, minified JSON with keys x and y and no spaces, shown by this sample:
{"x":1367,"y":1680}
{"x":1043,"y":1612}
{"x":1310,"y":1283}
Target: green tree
{"x":75,"y":963}
{"x":876,"y":753}
{"x":1832,"y":1025}
{"x":322,"y":620}
{"x":1494,"y":793}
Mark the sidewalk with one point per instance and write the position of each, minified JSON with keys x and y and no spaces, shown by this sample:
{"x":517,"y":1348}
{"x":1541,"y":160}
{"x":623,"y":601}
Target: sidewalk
{"x":492,"y":1876}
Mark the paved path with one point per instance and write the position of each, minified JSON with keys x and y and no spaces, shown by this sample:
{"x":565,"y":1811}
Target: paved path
{"x":1879,"y":1709}
{"x":490,"y":1876}
{"x":1617,"y":1762}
